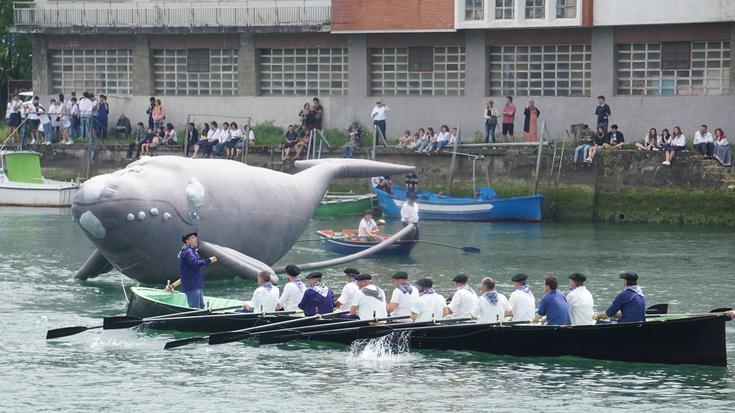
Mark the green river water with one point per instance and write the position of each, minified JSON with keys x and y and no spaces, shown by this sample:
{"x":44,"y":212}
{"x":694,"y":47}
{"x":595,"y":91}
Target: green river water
{"x":126,"y":370}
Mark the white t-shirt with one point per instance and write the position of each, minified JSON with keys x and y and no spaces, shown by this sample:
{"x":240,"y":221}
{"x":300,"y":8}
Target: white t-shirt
{"x":485,"y":312}
{"x":680,"y":141}
{"x":429,"y":307}
{"x":405,"y":301}
{"x":409,"y":213}
{"x":463,"y":302}
{"x":375,"y":181}
{"x":348,"y":295}
{"x":581,"y":305}
{"x":379,"y":112}
{"x":365,"y":226}
{"x":523,"y":305}
{"x":292,"y":294}
{"x":444,"y":137}
{"x":699,"y":138}
{"x":85,"y":107}
{"x":369,"y":307}
{"x":265,"y":300}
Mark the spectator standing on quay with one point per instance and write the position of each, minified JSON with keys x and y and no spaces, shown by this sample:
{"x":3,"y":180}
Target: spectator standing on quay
{"x":15,"y":108}
{"x":159,"y":115}
{"x":509,"y":116}
{"x":54,"y":113}
{"x":602,"y":111}
{"x":123,"y":127}
{"x":45,"y":119}
{"x":75,"y":120}
{"x":64,"y":120}
{"x":704,"y":142}
{"x":491,"y":121}
{"x":85,"y":113}
{"x":149,"y":111}
{"x":33,"y":110}
{"x":318,"y":111}
{"x":379,"y":116}
{"x":530,"y":122}
{"x":103,"y":112}
{"x":723,"y":153}
{"x":348,"y":150}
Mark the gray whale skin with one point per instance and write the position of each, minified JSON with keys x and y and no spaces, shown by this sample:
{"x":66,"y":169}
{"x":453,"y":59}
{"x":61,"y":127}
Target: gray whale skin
{"x":248,"y":217}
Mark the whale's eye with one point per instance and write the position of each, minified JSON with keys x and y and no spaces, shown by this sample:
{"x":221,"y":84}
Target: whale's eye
{"x":194,"y":217}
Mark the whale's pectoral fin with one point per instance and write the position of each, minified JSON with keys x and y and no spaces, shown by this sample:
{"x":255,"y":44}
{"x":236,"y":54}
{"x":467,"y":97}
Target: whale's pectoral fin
{"x":333,"y":168}
{"x":95,"y":265}
{"x":236,"y":261}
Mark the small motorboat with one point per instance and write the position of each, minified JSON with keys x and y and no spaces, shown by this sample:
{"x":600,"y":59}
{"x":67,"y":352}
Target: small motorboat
{"x":23,"y":184}
{"x":347,"y":242}
{"x":487,"y":206}
{"x":339,"y":205}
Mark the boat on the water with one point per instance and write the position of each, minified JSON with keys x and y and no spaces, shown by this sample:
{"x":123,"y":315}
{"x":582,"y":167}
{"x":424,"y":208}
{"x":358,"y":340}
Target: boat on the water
{"x":487,"y":206}
{"x":151,"y":302}
{"x":346,"y":242}
{"x":22,"y":182}
{"x":338,"y":205}
{"x":696,"y":339}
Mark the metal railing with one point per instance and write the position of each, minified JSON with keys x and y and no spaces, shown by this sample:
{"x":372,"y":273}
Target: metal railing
{"x":28,"y":14}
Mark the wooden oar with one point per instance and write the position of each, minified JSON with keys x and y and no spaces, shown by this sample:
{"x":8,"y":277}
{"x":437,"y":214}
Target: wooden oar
{"x":239,"y":335}
{"x":716,"y":312}
{"x":658,"y":309}
{"x":721,"y":310}
{"x":120,"y":322}
{"x":70,"y":331}
{"x":473,"y":250}
{"x":325,"y":327}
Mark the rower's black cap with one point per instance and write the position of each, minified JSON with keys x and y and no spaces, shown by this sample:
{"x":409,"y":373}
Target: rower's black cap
{"x":363,"y":277}
{"x":519,"y":277}
{"x":425,"y":282}
{"x":292,"y":270}
{"x":630,"y":276}
{"x":460,"y":278}
{"x":368,"y":211}
{"x":183,"y":239}
{"x":578,"y":277}
{"x":314,"y":275}
{"x":351,"y":271}
{"x":400,"y":275}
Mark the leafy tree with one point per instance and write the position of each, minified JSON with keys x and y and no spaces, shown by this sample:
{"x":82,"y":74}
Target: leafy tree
{"x":15,"y":52}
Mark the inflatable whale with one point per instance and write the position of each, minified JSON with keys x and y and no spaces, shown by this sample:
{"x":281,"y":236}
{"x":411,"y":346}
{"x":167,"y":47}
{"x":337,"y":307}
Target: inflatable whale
{"x":248,"y":217}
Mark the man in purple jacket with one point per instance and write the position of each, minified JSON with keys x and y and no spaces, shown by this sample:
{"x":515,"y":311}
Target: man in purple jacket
{"x":318,"y":298}
{"x":191,"y":270}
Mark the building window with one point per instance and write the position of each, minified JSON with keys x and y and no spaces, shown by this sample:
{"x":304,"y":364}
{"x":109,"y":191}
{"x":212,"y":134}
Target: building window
{"x":399,"y":71}
{"x":540,"y":70}
{"x":195,"y":72}
{"x":668,"y":69}
{"x":197,"y":60}
{"x":535,"y":9}
{"x":504,"y":9}
{"x":303,"y":72}
{"x":107,"y":71}
{"x":474,"y":10}
{"x":566,"y":9}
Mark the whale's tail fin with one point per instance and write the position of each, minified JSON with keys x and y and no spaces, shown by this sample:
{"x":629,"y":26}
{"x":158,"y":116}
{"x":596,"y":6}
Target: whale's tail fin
{"x":331,"y":168}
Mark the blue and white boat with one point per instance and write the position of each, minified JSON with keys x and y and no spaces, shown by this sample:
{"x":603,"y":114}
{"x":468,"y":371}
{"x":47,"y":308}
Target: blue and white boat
{"x":487,"y":206}
{"x":347,"y":243}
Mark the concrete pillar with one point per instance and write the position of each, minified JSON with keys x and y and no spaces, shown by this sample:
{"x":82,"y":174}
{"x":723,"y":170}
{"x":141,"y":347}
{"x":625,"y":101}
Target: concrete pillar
{"x":732,"y":63}
{"x":358,"y":67}
{"x":142,"y":67}
{"x":248,"y":66}
{"x":476,"y":86}
{"x":40,"y":63}
{"x":603,"y":62}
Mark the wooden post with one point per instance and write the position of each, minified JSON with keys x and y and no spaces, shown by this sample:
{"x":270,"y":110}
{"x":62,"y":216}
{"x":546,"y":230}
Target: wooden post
{"x":538,"y":160}
{"x":454,"y":159}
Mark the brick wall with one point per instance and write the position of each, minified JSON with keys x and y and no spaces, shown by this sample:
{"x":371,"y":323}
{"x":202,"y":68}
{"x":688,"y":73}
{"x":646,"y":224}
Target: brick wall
{"x":392,"y":15}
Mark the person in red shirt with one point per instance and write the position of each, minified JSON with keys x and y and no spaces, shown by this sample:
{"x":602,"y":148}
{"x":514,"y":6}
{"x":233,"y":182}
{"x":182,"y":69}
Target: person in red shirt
{"x":509,"y":115}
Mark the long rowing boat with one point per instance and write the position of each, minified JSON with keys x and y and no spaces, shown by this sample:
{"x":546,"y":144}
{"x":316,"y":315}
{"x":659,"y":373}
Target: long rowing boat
{"x":347,"y":243}
{"x":670,"y":340}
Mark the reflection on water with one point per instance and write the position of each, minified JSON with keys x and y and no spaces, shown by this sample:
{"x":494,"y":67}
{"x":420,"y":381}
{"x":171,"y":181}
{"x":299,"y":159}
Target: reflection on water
{"x":117,"y":370}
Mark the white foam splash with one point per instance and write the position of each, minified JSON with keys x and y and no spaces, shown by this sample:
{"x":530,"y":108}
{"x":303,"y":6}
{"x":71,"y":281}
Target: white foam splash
{"x":380,"y":353}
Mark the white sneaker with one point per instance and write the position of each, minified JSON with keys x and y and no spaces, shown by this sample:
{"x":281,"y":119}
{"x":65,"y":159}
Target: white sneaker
{"x":69,"y":142}
{"x":47,"y":143}
{"x":666,"y":163}
{"x":34,"y":142}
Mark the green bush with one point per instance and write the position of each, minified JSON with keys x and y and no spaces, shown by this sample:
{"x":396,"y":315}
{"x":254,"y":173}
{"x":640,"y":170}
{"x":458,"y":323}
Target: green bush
{"x":267,"y":133}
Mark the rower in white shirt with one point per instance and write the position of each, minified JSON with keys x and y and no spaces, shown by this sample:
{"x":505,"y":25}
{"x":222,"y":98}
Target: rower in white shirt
{"x":293,"y":291}
{"x":265,"y":297}
{"x":580,"y":301}
{"x":491,"y":306}
{"x":522,"y":302}
{"x":370,"y":301}
{"x":349,"y":291}
{"x":404,"y":296}
{"x":367,"y":229}
{"x":464,"y":299}
{"x":430,"y":305}
{"x":410,"y":214}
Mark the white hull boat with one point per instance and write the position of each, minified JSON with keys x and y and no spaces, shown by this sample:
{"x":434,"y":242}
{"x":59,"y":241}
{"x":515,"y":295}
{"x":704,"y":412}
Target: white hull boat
{"x":22,"y":184}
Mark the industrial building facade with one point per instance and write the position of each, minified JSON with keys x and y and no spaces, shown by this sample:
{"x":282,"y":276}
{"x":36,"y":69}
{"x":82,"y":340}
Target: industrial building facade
{"x":660,"y":63}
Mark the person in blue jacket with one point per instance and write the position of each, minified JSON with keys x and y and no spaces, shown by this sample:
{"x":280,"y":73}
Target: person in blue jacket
{"x":554,"y":305}
{"x":318,"y":298}
{"x":629,"y":305}
{"x":191,"y":271}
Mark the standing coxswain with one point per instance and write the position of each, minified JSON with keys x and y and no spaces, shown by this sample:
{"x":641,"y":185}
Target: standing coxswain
{"x":522,"y":302}
{"x":191,"y":271}
{"x":464,"y":299}
{"x":369,"y":304}
{"x":581,"y":303}
{"x":318,"y":298}
{"x":430,"y":305}
{"x":404,"y":296}
{"x":629,"y":305}
{"x":410,"y":215}
{"x":293,"y":291}
{"x":265,"y":297}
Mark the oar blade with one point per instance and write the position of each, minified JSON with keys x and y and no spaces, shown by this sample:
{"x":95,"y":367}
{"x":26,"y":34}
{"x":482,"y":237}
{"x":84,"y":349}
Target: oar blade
{"x":657,"y":309}
{"x":65,"y":332}
{"x":721,"y":310}
{"x":120,"y":322}
{"x":471,"y":250}
{"x":183,"y":342}
{"x":227,"y":337}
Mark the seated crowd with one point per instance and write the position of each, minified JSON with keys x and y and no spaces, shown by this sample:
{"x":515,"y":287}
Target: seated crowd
{"x":427,"y":141}
{"x":224,"y":141}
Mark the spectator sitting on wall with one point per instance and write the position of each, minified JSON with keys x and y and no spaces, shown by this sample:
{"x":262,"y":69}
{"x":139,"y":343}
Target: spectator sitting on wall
{"x":678,"y":144}
{"x":159,"y":138}
{"x":426,"y":140}
{"x":601,"y":138}
{"x":318,"y":113}
{"x":454,"y":137}
{"x":442,"y":140}
{"x":224,"y":139}
{"x":405,"y":140}
{"x":586,"y":141}
{"x":203,"y":142}
{"x":213,"y":137}
{"x":140,"y":138}
{"x":665,"y":138}
{"x":703,"y":142}
{"x":651,"y":142}
{"x":235,"y":141}
{"x":248,"y":135}
{"x":123,"y":127}
{"x":348,"y":150}
{"x":615,"y":138}
{"x":149,"y":139}
{"x":602,"y":111}
{"x":723,"y":153}
{"x":307,"y":119}
{"x":290,"y":140}
{"x":170,"y":137}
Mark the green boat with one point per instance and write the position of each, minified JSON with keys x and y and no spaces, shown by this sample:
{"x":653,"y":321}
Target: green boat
{"x":334,"y":205}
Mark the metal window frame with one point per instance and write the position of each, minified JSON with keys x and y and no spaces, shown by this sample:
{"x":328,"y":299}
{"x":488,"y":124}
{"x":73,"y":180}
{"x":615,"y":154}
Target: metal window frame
{"x":474,"y":10}
{"x":97,"y":70}
{"x":504,"y":7}
{"x":564,"y":6}
{"x":303,"y":71}
{"x":198,"y":60}
{"x":390,"y":74}
{"x":535,"y":9}
{"x":171,"y":76}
